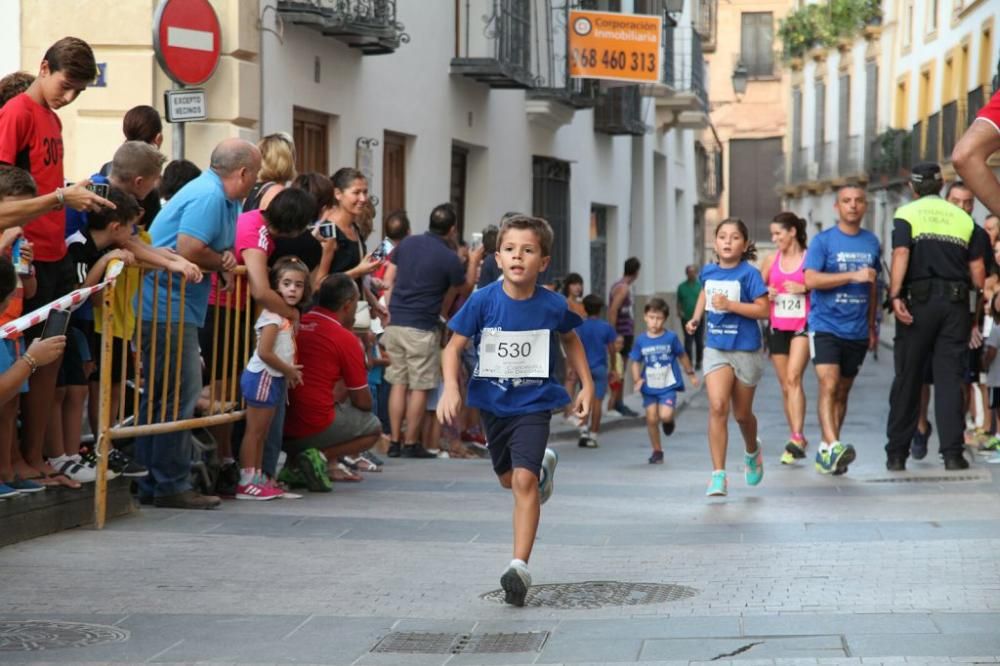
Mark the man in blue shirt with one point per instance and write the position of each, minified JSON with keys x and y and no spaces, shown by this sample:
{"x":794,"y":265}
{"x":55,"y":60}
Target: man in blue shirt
{"x":199,"y":223}
{"x":426,"y":277}
{"x":841,"y":267}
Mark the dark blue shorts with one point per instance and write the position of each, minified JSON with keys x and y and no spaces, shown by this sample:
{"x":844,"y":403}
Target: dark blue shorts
{"x":262,"y":389}
{"x":669,"y":399}
{"x":600,"y":376}
{"x":517,"y":441}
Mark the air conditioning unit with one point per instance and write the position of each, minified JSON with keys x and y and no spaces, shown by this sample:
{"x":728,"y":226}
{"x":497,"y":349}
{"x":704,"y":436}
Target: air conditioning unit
{"x":812,"y":171}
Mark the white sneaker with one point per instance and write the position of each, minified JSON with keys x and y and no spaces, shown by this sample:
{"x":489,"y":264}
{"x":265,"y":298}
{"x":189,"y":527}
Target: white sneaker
{"x":515,"y":582}
{"x":73,"y":469}
{"x":545,"y":484}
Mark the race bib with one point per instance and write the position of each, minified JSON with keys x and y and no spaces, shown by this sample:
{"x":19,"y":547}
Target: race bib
{"x":790,"y":306}
{"x":660,"y":378}
{"x":514,"y":354}
{"x":728,"y":288}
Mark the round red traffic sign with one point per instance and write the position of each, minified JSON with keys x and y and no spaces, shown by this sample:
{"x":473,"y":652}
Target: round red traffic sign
{"x":187,"y":40}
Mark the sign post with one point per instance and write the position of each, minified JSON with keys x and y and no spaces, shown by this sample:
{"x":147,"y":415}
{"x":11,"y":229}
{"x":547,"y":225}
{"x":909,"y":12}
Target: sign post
{"x":617,"y":47}
{"x":187,"y":39}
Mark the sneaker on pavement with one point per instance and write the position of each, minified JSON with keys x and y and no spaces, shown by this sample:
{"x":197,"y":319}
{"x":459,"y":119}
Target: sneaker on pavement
{"x":73,"y":469}
{"x":667,"y":427}
{"x":515,"y":582}
{"x":7,"y":492}
{"x":843,"y":455}
{"x":656,"y":458}
{"x":587,"y":442}
{"x":753,"y":466}
{"x":717,"y":486}
{"x":992,"y":444}
{"x":394,"y":449}
{"x":127,"y":467}
{"x":257,"y":491}
{"x":955,"y":463}
{"x":29,"y":486}
{"x":88,"y":458}
{"x":547,"y":481}
{"x":473,"y":436}
{"x":417,"y":451}
{"x":313,"y":466}
{"x":188,"y":499}
{"x":787,"y":458}
{"x":895,"y":464}
{"x":796,"y":449}
{"x":918,"y":447}
{"x":372,"y":458}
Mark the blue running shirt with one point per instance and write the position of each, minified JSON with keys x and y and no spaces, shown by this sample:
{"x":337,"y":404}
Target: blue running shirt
{"x":492,"y":312}
{"x":596,"y":335}
{"x":728,"y":331}
{"x":842,"y":311}
{"x":661,"y":370}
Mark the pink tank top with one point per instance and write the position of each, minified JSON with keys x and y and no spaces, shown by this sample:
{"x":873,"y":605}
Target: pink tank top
{"x":788,"y":311}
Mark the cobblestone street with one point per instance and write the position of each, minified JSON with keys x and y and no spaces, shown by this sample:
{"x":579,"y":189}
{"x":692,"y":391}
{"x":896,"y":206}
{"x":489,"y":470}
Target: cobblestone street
{"x":865,"y":568}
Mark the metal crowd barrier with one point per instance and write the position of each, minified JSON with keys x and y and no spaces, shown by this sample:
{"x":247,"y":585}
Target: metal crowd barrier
{"x":225,"y":403}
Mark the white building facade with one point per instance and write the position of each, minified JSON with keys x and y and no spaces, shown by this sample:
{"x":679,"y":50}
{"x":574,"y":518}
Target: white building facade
{"x":468,"y":101}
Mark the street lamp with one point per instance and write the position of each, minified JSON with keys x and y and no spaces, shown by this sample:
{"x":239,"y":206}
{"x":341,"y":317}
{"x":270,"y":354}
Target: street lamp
{"x":740,"y":78}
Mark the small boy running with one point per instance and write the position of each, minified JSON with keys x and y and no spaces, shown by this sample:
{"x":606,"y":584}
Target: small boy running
{"x":657,"y":357}
{"x":512,"y":322}
{"x":598,"y":339}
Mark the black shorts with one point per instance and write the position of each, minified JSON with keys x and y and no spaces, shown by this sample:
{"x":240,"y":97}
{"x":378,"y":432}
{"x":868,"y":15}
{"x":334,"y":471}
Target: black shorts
{"x":238,"y":356}
{"x":828,"y":349}
{"x":118,"y":347}
{"x":71,"y":369}
{"x":55,"y":279}
{"x":517,"y":441}
{"x":780,"y":342}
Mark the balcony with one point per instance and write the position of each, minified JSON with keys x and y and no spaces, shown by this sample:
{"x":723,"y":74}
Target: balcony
{"x":889,"y":156}
{"x":826,"y":161}
{"x":555,"y":95}
{"x":706,"y":23}
{"x":932,"y":141}
{"x":681,"y":99}
{"x":916,"y":144}
{"x":619,"y":112}
{"x":799,"y":171}
{"x":494,"y":43}
{"x":367,"y":25}
{"x":708,"y":163}
{"x":950,"y":130}
{"x":974,"y":101}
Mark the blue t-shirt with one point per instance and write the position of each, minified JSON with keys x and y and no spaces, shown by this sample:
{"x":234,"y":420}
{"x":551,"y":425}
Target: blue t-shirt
{"x":8,"y":356}
{"x":425,"y":269}
{"x":596,"y":334}
{"x":200,"y":210}
{"x":842,"y":311}
{"x":729,"y":331}
{"x":661,"y":369}
{"x":491,"y":308}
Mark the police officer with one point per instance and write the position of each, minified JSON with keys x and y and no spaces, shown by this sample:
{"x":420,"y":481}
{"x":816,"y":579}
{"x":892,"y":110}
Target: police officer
{"x":936,"y":260}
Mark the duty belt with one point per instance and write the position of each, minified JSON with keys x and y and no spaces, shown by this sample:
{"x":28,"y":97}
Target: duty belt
{"x":921,"y":291}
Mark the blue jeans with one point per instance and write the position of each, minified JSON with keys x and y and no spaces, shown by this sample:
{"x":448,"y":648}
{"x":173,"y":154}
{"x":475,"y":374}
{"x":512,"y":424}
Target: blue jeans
{"x":275,"y":436}
{"x":168,"y":456}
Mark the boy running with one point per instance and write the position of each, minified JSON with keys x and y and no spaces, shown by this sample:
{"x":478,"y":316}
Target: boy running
{"x":512,"y":323}
{"x":598,"y":339}
{"x":656,"y":359}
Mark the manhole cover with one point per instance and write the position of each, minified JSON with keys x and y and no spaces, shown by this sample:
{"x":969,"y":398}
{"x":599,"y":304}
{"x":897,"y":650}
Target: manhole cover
{"x":417,"y":642}
{"x":597,"y":594}
{"x":35,"y":635}
{"x":926,"y":479}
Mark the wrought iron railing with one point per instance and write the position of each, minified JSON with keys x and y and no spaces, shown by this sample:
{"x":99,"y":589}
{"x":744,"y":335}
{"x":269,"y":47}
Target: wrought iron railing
{"x":889,"y":154}
{"x":708,"y":162}
{"x":916,"y":143}
{"x":619,"y":111}
{"x":550,"y":59}
{"x":826,"y":159}
{"x":706,"y":22}
{"x":932,"y":141}
{"x":950,"y":131}
{"x":799,"y":171}
{"x":494,"y":42}
{"x":974,"y":101}
{"x":368,"y":25}
{"x":684,"y":63}
{"x":851,"y":156}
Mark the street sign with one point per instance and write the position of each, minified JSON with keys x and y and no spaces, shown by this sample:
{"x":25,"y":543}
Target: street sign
{"x":619,"y":47}
{"x":185,"y":105}
{"x":187,"y":40}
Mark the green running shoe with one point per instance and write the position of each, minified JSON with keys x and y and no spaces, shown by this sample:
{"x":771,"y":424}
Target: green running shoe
{"x":717,"y":486}
{"x":753,"y":466}
{"x":992,"y":444}
{"x":835,"y":459}
{"x":312,"y":465}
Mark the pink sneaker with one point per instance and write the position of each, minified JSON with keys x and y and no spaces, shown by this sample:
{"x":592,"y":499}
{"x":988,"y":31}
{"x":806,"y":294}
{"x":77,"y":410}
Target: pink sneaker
{"x":256,"y":491}
{"x":282,"y":493}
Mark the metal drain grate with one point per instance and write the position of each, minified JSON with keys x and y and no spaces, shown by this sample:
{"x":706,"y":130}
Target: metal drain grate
{"x":598,"y":594}
{"x":37,"y":635}
{"x":416,"y":642}
{"x":926,"y":479}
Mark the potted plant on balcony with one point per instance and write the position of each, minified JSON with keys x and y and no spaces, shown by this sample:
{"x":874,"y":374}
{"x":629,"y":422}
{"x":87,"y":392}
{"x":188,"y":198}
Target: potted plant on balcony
{"x":796,"y":34}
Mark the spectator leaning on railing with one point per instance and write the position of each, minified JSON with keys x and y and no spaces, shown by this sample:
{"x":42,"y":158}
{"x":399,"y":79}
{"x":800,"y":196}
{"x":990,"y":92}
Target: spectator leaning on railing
{"x":199,"y":222}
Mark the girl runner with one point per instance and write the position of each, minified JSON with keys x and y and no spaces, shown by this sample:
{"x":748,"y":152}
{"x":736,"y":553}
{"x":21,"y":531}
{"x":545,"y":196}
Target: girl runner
{"x":788,"y":342}
{"x":734,"y":296}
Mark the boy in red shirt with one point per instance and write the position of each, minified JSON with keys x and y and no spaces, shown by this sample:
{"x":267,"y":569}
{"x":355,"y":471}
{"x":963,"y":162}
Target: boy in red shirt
{"x":31,"y":138}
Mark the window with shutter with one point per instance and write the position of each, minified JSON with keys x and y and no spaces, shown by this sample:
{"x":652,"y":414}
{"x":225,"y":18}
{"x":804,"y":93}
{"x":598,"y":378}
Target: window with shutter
{"x":796,"y":118}
{"x":757,"y":43}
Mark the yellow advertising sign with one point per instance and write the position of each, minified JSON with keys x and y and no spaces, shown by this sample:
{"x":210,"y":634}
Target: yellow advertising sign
{"x":608,"y":45}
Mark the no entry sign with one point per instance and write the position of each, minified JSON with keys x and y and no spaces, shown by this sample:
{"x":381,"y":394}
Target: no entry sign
{"x":187,"y":40}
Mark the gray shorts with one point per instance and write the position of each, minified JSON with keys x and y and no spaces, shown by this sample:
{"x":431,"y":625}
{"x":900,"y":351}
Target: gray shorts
{"x":747,"y":366}
{"x":349,"y":423}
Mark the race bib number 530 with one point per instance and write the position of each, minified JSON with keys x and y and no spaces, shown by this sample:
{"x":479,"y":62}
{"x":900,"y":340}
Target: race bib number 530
{"x":514,"y":354}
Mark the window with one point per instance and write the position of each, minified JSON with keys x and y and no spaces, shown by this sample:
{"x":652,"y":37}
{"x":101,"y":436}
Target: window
{"x":393,"y":172}
{"x":459,"y":171}
{"x":550,"y":200}
{"x":796,"y":118}
{"x":309,"y":131}
{"x":752,"y":195}
{"x":986,"y":56}
{"x":902,"y":105}
{"x":871,"y":99}
{"x":757,"y":43}
{"x":933,"y":10}
{"x":650,"y":7}
{"x":908,"y":24}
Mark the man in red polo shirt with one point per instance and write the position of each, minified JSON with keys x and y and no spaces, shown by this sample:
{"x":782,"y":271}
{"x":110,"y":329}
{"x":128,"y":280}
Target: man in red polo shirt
{"x":317,"y":428}
{"x":975,"y":148}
